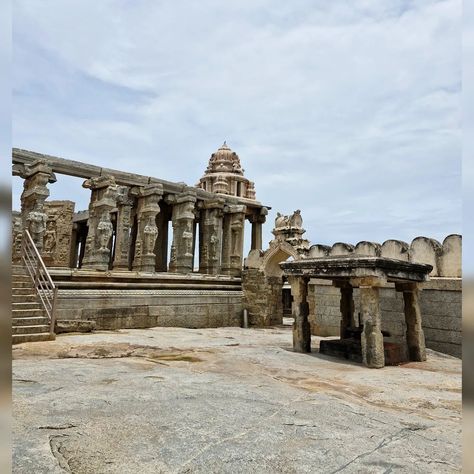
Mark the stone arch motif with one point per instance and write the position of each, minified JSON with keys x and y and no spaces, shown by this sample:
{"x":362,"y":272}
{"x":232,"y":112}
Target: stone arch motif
{"x":262,"y":277}
{"x":275,"y":255}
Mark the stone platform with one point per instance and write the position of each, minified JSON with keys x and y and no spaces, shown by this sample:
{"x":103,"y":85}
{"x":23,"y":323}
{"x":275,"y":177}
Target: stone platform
{"x":118,"y":300}
{"x":227,"y":400}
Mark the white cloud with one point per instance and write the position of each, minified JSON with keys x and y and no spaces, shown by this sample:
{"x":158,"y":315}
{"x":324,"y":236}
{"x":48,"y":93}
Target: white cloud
{"x":332,"y":106}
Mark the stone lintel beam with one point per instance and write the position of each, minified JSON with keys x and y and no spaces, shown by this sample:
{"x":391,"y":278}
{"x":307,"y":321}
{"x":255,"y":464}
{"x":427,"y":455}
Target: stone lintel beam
{"x":147,"y":209}
{"x":23,"y":158}
{"x":348,"y":267}
{"x":300,"y":309}
{"x":374,"y":281}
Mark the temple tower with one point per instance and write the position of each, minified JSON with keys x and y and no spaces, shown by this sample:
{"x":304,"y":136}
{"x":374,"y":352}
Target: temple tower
{"x":224,"y":175}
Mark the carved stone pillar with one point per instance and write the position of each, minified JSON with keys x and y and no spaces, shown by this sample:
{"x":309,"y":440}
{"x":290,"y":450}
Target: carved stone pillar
{"x":371,"y":337}
{"x":103,"y":201}
{"x":233,"y":239}
{"x":347,"y":309}
{"x":415,"y":334}
{"x":257,"y":221}
{"x":147,"y":231}
{"x":301,"y":326}
{"x":183,"y":232}
{"x":210,"y":237}
{"x":35,"y":192}
{"x":125,"y":203}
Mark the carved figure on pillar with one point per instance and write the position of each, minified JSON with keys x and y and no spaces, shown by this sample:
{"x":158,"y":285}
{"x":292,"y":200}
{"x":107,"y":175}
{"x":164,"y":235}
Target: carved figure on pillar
{"x":37,"y":227}
{"x":147,"y":232}
{"x":35,"y":192}
{"x":151,"y":233}
{"x":103,"y":201}
{"x":50,"y":237}
{"x":233,"y":239}
{"x":183,"y":230}
{"x":125,"y":203}
{"x":210,"y":237}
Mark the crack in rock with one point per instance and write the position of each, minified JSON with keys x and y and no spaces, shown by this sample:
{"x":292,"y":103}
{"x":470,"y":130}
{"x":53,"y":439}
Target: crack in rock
{"x":57,"y":427}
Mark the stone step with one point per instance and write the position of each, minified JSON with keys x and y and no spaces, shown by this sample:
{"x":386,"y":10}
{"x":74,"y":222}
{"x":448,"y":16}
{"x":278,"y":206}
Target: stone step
{"x":26,"y":305}
{"x":21,"y":313}
{"x":16,"y":278}
{"x":41,"y":328}
{"x":23,"y":291}
{"x":42,"y":336}
{"x":22,"y":284}
{"x":19,"y":270}
{"x":24,"y":298}
{"x":30,"y":321}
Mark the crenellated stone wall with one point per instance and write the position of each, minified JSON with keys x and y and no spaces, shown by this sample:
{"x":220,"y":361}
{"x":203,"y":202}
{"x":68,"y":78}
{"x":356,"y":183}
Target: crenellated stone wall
{"x":440,"y":300}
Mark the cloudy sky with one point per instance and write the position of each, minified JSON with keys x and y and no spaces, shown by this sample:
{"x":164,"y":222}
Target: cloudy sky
{"x":348,"y":110}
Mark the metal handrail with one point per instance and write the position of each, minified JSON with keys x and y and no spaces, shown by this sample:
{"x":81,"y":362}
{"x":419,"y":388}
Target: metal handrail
{"x":44,"y":286}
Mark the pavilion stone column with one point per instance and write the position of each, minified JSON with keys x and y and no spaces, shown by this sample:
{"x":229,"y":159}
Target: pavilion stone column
{"x":301,"y":326}
{"x":147,"y":231}
{"x":182,"y":219}
{"x":35,"y":192}
{"x":125,"y":203}
{"x":415,"y":334}
{"x":346,"y":307}
{"x":371,"y":336}
{"x":102,"y":203}
{"x":233,"y":239}
{"x":257,"y":221}
{"x":210,"y":237}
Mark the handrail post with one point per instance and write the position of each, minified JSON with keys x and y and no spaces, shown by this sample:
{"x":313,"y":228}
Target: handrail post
{"x":53,"y":311}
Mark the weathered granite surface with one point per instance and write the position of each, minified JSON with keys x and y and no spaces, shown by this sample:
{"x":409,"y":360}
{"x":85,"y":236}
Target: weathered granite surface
{"x":171,"y":400}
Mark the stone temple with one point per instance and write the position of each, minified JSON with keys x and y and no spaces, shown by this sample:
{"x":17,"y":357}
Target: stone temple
{"x":145,"y":340}
{"x":111,"y":266}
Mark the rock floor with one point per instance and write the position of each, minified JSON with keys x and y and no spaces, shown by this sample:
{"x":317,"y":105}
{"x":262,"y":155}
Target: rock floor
{"x":227,"y":400}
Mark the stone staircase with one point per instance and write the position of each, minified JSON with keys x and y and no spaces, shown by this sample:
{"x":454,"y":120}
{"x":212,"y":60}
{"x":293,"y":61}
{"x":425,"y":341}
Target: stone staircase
{"x":29,"y":320}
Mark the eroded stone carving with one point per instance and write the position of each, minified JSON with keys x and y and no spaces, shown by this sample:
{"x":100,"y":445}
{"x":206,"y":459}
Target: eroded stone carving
{"x":35,"y":192}
{"x":147,"y":231}
{"x":103,"y":202}
{"x":57,"y":238}
{"x":183,"y":236}
{"x":210,"y":237}
{"x":290,"y":229}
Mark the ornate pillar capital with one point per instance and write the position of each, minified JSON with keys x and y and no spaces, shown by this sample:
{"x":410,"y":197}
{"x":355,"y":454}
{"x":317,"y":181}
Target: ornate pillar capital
{"x":35,"y":192}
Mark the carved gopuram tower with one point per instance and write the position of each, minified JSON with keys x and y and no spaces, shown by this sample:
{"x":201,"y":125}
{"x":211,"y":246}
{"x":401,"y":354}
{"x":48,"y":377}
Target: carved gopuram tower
{"x":224,"y":175}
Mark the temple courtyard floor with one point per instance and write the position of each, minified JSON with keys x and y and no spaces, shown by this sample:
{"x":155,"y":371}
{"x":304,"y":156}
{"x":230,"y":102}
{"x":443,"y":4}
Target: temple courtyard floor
{"x":227,"y":400}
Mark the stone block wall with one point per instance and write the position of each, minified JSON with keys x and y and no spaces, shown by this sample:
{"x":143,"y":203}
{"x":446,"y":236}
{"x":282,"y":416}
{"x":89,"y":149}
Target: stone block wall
{"x":118,"y":302}
{"x":262,"y":298}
